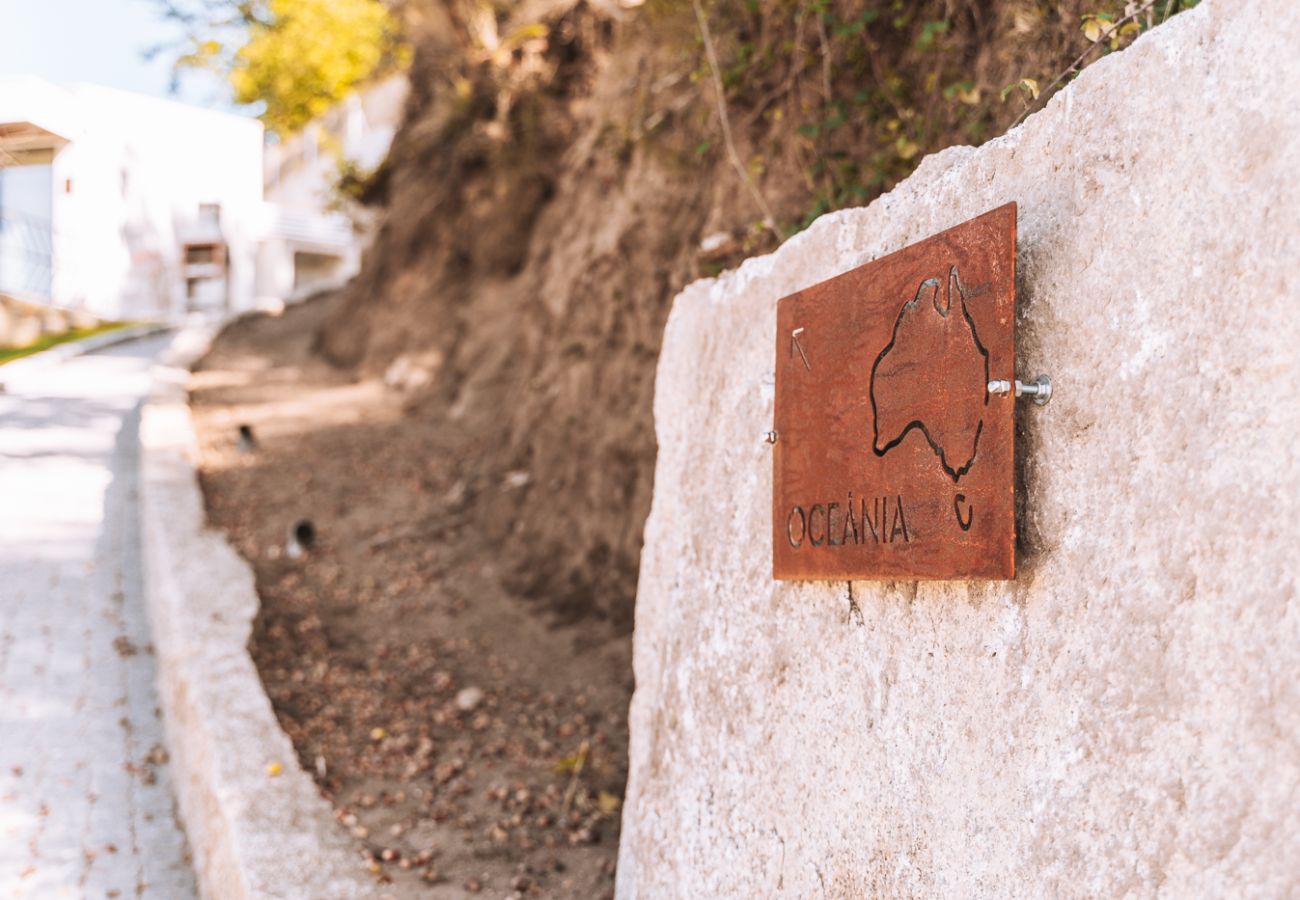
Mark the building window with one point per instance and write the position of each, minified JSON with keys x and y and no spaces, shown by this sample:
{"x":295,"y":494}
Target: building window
{"x":199,"y":254}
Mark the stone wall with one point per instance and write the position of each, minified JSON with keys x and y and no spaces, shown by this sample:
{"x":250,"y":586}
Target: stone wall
{"x":1124,"y":718}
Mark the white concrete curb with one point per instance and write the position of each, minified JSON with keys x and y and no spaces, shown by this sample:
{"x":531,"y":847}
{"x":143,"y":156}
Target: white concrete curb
{"x":254,"y":835}
{"x":28,"y":364}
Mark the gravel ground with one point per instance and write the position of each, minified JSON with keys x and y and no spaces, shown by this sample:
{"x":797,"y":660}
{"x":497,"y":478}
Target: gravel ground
{"x":467,"y":741}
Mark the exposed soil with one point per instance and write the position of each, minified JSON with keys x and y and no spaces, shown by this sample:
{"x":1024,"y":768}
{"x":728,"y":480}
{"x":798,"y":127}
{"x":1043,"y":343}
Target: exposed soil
{"x":467,"y":741}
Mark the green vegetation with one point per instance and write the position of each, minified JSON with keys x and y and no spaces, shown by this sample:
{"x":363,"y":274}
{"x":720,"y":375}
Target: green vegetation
{"x":868,"y":88}
{"x":9,"y":354}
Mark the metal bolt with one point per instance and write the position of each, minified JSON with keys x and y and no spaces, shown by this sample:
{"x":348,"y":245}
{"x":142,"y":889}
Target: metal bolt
{"x":1040,"y":389}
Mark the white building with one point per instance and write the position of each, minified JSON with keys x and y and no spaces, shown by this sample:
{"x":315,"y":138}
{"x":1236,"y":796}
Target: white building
{"x":101,"y":189}
{"x":132,"y":207}
{"x":308,"y":244}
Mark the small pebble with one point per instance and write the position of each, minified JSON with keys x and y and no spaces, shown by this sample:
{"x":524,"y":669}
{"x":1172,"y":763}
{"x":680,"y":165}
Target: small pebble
{"x":468,"y":699}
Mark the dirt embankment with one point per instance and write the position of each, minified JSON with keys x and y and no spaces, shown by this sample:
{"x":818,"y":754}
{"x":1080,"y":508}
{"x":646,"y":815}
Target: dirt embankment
{"x":521,"y":283}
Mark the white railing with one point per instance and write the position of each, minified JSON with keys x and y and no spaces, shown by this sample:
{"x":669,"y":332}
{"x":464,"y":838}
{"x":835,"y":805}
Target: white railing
{"x":26,"y":255}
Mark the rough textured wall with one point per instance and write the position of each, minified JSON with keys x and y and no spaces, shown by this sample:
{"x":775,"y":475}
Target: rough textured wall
{"x":1124,"y":718}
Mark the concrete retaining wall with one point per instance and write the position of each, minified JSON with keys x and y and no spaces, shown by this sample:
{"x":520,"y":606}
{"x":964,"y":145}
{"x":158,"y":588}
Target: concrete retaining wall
{"x":1124,"y":718}
{"x":254,"y":834}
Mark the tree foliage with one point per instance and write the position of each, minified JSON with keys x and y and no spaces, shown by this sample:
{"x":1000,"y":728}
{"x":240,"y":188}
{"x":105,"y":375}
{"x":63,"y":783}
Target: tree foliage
{"x":296,"y":57}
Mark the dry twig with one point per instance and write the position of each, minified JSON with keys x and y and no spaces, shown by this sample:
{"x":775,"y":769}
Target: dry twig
{"x":768,"y":219}
{"x":826,"y":57}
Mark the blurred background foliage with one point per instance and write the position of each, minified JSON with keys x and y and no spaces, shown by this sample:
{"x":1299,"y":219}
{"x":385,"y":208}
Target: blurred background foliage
{"x":824,"y":103}
{"x":293,"y":58}
{"x":858,"y":92}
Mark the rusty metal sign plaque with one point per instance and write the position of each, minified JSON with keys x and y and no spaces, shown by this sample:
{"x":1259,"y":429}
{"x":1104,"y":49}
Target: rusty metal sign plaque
{"x":892,"y":458}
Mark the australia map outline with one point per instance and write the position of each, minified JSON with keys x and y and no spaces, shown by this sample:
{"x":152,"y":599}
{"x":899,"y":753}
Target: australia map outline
{"x":951,"y":421}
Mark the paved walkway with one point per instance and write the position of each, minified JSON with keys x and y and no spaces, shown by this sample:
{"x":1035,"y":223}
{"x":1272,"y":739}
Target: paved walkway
{"x":86,"y":806}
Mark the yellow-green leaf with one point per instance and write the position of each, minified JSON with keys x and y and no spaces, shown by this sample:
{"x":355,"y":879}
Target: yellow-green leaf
{"x":906,"y":149}
{"x":303,"y":56}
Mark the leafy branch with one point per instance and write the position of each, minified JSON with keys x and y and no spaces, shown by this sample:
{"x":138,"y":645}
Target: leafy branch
{"x":1100,"y":39}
